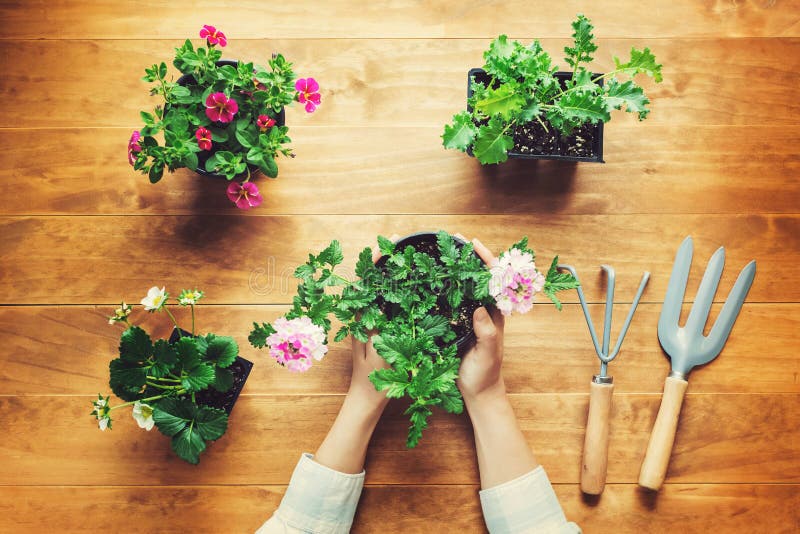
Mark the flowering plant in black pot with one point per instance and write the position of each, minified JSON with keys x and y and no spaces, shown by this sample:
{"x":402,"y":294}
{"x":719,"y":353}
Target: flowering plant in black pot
{"x":221,"y":118}
{"x":416,"y":302}
{"x":520,"y":105}
{"x":185,"y":386}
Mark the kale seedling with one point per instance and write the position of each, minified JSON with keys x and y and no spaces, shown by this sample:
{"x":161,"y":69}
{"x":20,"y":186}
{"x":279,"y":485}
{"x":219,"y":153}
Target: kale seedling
{"x":523,"y":88}
{"x":414,"y":301}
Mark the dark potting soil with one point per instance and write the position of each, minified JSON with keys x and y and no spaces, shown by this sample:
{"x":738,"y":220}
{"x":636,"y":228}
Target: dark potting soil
{"x":225,"y":400}
{"x":581,"y":143}
{"x":533,"y":138}
{"x":461,"y":320}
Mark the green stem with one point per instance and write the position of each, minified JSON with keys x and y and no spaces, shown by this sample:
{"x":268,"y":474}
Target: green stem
{"x":178,"y":328}
{"x":193,"y":319}
{"x":175,"y":380}
{"x":162,"y":386}
{"x":133,"y":402}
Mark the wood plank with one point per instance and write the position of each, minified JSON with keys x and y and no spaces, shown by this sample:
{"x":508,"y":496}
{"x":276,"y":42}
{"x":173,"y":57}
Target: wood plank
{"x":708,"y":169}
{"x":622,"y":509}
{"x":429,"y":75}
{"x":545,"y":352}
{"x":44,"y":260}
{"x":71,"y":19}
{"x":741,"y":438}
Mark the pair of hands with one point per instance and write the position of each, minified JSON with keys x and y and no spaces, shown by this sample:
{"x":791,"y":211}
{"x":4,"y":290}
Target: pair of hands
{"x":480,"y":372}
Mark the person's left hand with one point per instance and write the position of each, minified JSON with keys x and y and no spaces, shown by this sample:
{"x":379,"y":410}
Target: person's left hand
{"x":365,"y":360}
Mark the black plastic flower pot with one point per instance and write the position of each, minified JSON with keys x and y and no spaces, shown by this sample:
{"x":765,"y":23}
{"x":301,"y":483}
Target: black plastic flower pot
{"x":217,"y":399}
{"x":426,"y":242}
{"x":203,"y":155}
{"x":534,"y":141}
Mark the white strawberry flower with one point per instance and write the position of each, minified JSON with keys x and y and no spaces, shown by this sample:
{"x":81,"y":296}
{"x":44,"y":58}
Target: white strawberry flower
{"x":143,"y":414}
{"x":155,"y":299}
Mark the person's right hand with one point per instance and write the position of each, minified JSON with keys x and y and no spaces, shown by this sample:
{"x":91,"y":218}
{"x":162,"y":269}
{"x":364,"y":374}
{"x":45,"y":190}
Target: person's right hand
{"x":480,"y":374}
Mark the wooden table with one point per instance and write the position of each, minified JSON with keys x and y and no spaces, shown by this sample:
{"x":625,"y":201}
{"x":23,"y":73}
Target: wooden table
{"x":718,"y":159}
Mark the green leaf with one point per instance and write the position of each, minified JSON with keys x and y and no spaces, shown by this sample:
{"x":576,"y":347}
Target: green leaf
{"x":419,"y":422}
{"x":188,"y":444}
{"x":268,"y":166}
{"x":583,"y":40}
{"x":305,"y":271}
{"x":223,"y":379}
{"x":156,"y":172}
{"x":198,"y":378}
{"x":492,"y":144}
{"x":332,"y":254}
{"x":191,"y":161}
{"x":245,"y":138}
{"x":222,"y":350}
{"x":135,"y":345}
{"x":641,"y":61}
{"x":258,"y":336}
{"x":434,"y":325}
{"x":385,"y":245}
{"x":556,"y":280}
{"x":364,"y":266}
{"x":211,"y":163}
{"x":188,"y":352}
{"x":172,"y":415}
{"x":393,"y":381}
{"x":461,"y":133}
{"x":210,"y":422}
{"x":628,"y":94}
{"x":164,"y":358}
{"x":127,"y":378}
{"x":504,"y":101}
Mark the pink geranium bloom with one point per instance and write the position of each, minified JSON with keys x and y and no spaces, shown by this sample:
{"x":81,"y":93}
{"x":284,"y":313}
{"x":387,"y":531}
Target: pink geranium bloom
{"x":309,"y":93}
{"x":244,"y":195}
{"x":264,"y":122}
{"x":296,"y":343}
{"x":220,"y":108}
{"x":515,"y":281}
{"x":213,"y":36}
{"x":134,"y":147}
{"x":203,"y":138}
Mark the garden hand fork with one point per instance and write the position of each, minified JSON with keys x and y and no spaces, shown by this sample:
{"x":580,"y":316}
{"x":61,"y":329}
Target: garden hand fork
{"x":688,"y":347}
{"x":595,"y":447}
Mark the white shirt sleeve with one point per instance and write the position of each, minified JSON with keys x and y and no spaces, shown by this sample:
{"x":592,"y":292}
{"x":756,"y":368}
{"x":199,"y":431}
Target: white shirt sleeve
{"x":526,"y":504}
{"x":318,"y":500}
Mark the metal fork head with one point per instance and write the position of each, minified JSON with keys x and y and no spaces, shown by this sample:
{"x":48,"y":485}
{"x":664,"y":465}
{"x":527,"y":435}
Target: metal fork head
{"x":687,"y":346}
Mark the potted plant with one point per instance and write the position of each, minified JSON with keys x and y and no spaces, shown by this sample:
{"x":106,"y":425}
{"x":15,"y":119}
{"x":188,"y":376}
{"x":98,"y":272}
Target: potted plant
{"x":418,"y":298}
{"x":520,"y":105}
{"x":185,"y":386}
{"x":221,"y":118}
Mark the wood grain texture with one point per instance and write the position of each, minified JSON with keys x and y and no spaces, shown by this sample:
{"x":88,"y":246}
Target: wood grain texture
{"x":412,"y":509}
{"x":71,"y":19}
{"x":65,"y":351}
{"x":741,"y":438}
{"x":397,"y":82}
{"x":667,"y":169}
{"x":138,"y":252}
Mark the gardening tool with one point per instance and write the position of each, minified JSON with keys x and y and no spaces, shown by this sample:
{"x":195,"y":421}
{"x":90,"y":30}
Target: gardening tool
{"x":688,"y":347}
{"x":595,"y":446}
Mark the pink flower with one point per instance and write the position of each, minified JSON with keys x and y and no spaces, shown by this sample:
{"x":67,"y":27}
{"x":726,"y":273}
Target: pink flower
{"x":296,"y":343}
{"x":244,"y":195}
{"x":221,"y":108}
{"x":309,"y":93}
{"x":134,"y":147}
{"x":213,"y":36}
{"x":515,"y":281}
{"x":265,"y":122}
{"x":203,"y":138}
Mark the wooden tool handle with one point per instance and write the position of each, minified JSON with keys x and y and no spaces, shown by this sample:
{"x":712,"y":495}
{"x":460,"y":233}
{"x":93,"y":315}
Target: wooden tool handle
{"x":656,"y":459}
{"x":595,"y":446}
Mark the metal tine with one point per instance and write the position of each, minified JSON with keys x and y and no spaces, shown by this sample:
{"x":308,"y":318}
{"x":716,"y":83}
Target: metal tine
{"x":629,"y":318}
{"x":676,"y":289}
{"x":604,"y":355}
{"x":730,"y":310}
{"x":705,"y":293}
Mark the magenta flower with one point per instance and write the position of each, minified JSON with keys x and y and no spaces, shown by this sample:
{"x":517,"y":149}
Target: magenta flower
{"x":220,"y":108}
{"x":203,"y":138}
{"x":309,"y":93}
{"x":296,"y":343}
{"x":213,"y":36}
{"x":264,"y":122}
{"x":134,"y":146}
{"x":244,"y":195}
